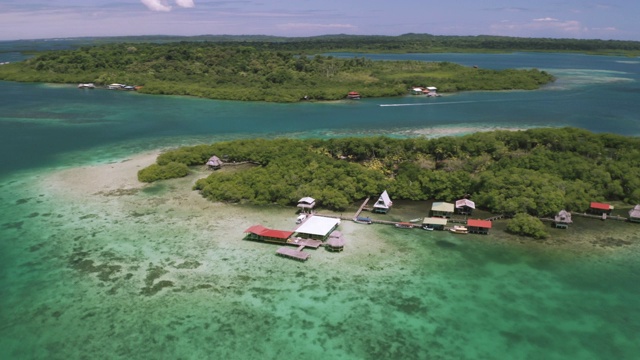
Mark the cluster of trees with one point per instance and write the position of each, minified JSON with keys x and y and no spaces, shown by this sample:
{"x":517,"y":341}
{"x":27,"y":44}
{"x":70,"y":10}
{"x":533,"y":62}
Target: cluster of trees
{"x":538,"y":171}
{"x":238,"y":72}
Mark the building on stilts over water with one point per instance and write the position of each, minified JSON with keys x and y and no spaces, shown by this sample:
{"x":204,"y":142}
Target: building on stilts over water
{"x":383,"y":205}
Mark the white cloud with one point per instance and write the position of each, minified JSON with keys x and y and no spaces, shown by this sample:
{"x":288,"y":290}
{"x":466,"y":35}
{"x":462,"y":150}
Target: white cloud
{"x":545,"y":19}
{"x":185,"y":3}
{"x":163,"y":5}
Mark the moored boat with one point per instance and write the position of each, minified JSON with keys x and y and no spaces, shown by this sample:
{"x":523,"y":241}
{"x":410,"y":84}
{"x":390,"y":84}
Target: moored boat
{"x":458,"y":229}
{"x":86,"y":86}
{"x":363,"y":220}
{"x":404,"y":225}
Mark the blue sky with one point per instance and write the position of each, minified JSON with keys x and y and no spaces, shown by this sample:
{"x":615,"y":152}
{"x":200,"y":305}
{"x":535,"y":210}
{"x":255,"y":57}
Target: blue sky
{"x":584,"y":19}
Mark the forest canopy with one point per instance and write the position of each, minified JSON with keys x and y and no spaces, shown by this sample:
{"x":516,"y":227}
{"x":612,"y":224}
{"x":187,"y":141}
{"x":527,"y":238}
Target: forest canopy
{"x":537,"y":171}
{"x":259,"y":72}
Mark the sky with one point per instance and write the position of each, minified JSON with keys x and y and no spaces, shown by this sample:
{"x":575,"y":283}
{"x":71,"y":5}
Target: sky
{"x":580,"y":19}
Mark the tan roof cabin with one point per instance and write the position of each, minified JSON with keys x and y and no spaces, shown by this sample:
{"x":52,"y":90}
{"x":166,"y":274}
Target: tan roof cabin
{"x":442,"y":209}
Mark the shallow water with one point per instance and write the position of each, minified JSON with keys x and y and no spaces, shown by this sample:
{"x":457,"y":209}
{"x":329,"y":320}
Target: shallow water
{"x":159,"y":272}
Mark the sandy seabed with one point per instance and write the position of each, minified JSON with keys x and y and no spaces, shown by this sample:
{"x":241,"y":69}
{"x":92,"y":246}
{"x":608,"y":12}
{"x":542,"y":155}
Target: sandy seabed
{"x":103,"y":266}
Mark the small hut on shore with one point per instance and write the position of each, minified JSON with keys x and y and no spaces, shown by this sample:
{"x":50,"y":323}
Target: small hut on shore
{"x":562,"y":220}
{"x":634,"y":214}
{"x":214,"y":163}
{"x":306,"y":203}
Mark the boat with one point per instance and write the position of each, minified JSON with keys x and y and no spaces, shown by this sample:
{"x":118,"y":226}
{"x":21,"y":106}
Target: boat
{"x":86,"y":86}
{"x":415,"y":220}
{"x":458,"y":229}
{"x":404,"y":225}
{"x":363,"y":220}
{"x":427,"y":227}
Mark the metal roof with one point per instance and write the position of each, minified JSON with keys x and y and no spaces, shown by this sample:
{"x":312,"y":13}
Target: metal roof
{"x":479,"y":223}
{"x":442,"y":206}
{"x":263,"y":231}
{"x":318,"y":225}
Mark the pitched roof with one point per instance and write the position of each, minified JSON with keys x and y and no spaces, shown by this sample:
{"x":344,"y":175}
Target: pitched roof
{"x":307,"y":200}
{"x":600,"y":206}
{"x":384,"y":201}
{"x":635,"y":212}
{"x":263,"y":231}
{"x":465,"y":202}
{"x":479,"y":223}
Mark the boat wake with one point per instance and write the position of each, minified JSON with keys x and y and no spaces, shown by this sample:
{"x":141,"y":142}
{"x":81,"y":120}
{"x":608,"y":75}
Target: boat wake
{"x":439,"y":103}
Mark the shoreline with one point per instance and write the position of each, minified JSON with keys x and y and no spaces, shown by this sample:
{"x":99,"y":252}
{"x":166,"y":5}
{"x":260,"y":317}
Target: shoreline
{"x":118,"y":182}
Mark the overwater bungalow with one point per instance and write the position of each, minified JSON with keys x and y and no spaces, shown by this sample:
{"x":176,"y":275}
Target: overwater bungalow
{"x":478,"y":226}
{"x":465,"y":206}
{"x":383,"y":205}
{"x":434,"y":223}
{"x":442,"y":209}
{"x":261,"y":233}
{"x":562,"y":220}
{"x":335,"y":242}
{"x":634,"y":214}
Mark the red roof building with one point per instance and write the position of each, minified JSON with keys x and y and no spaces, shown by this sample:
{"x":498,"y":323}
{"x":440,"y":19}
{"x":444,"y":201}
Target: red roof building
{"x":261,"y":233}
{"x":600,"y":208}
{"x":478,"y":226}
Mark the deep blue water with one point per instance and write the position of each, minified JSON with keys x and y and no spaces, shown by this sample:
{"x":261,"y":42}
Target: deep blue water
{"x":39,"y":122}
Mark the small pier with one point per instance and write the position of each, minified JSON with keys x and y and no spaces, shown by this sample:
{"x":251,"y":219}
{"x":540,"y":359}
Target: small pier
{"x":364,"y":204}
{"x":295,"y":254}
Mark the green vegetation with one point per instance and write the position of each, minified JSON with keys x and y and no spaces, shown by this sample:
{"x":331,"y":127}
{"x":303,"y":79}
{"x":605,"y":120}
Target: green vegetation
{"x":237,"y":72}
{"x":157,"y":172}
{"x":538,"y":171}
{"x":527,"y":225}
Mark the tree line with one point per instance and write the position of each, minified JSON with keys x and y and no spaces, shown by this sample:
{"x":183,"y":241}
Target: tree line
{"x":260,"y":72}
{"x":537,"y":171}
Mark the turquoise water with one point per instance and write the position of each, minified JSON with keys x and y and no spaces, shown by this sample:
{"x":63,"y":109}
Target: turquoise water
{"x":161,"y":273}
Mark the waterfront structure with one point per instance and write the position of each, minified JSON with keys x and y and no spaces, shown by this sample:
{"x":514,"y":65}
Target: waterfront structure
{"x":465,"y":206}
{"x":383,"y":205}
{"x":634,"y":214}
{"x":478,"y":226}
{"x":353,"y":95}
{"x":261,"y":233}
{"x":434,"y":223}
{"x":335,"y":242}
{"x":306,"y":203}
{"x":317,"y":227}
{"x":600,"y":208}
{"x":562,"y":220}
{"x":214,"y":162}
{"x":442,"y":209}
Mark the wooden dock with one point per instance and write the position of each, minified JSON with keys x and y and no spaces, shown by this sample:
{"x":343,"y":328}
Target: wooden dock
{"x":366,"y":201}
{"x":296,"y":254}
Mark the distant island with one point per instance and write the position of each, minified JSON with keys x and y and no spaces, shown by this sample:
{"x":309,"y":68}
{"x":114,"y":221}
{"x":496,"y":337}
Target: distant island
{"x":537,"y":172}
{"x":260,"y":71}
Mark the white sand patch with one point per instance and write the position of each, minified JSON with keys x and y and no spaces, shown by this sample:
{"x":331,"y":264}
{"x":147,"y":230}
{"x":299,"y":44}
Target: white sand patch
{"x":87,"y":180}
